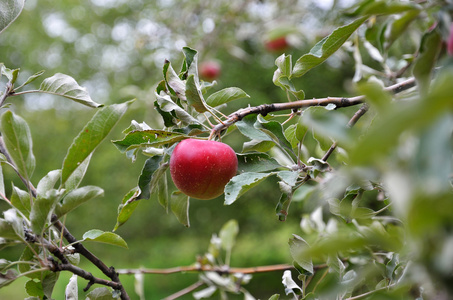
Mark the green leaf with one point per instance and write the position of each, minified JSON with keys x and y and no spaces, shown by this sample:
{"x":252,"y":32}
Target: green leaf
{"x":21,"y":200}
{"x":174,"y":82}
{"x":152,"y":164}
{"x":11,"y":74}
{"x":42,"y":210}
{"x":256,"y":162}
{"x":283,"y":74}
{"x":168,"y":118}
{"x":298,"y":248}
{"x":48,"y":182}
{"x":156,"y":177}
{"x":295,"y":134}
{"x":94,"y":132}
{"x":274,"y":130}
{"x":430,"y":47}
{"x":17,"y":138}
{"x":247,"y":128}
{"x":76,"y":177}
{"x":65,"y":86}
{"x":30,"y":79}
{"x":167,"y":105}
{"x":433,"y":164}
{"x":190,"y":61}
{"x":194,"y":95}
{"x":226,"y":95}
{"x":398,"y":27}
{"x":325,"y":48}
{"x":382,"y":8}
{"x":7,"y":230}
{"x":334,"y":263}
{"x":192,"y":130}
{"x":28,"y":255}
{"x":241,"y":183}
{"x":228,"y":234}
{"x":101,"y":293}
{"x":15,"y":220}
{"x":257,"y":146}
{"x":105,"y":237}
{"x":34,"y":289}
{"x":127,"y":207}
{"x":179,"y":205}
{"x":162,"y":191}
{"x":289,"y":177}
{"x":275,"y":297}
{"x":147,"y":138}
{"x":348,"y":209}
{"x":9,"y":11}
{"x":284,"y":65}
{"x":48,"y":283}
{"x":318,"y":166}
{"x":77,"y":197}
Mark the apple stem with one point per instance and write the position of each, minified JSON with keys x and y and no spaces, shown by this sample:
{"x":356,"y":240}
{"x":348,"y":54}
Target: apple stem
{"x":212,"y":134}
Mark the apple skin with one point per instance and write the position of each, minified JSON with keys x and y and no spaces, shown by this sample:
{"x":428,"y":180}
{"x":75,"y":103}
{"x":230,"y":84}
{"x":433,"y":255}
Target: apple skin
{"x":210,"y":70}
{"x":277,"y":44}
{"x":201,"y":169}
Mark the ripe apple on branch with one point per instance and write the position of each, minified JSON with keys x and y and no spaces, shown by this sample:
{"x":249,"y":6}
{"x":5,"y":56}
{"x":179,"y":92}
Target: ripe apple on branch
{"x":201,"y":169}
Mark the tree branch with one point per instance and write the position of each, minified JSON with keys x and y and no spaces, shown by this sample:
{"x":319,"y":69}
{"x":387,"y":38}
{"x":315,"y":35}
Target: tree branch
{"x":219,"y":270}
{"x":65,"y":265}
{"x":57,"y":267}
{"x":79,"y":248}
{"x":264,"y":109}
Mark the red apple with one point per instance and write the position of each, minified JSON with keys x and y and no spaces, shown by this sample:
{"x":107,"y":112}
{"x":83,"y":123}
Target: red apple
{"x":210,"y":70}
{"x":201,"y":169}
{"x":277,"y":44}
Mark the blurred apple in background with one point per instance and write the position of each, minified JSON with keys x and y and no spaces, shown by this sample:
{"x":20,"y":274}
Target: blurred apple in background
{"x":278,"y":44}
{"x":209,"y":70}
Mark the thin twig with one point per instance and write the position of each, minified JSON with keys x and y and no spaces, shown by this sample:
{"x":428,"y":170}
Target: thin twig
{"x":219,"y":270}
{"x":185,"y":291}
{"x":371,"y":292}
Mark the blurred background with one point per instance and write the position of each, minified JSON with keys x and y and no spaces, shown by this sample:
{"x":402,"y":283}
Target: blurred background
{"x":116,"y":49}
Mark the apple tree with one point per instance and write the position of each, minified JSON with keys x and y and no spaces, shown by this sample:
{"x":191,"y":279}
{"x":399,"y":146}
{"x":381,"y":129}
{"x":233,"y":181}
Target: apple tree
{"x":370,"y":172}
